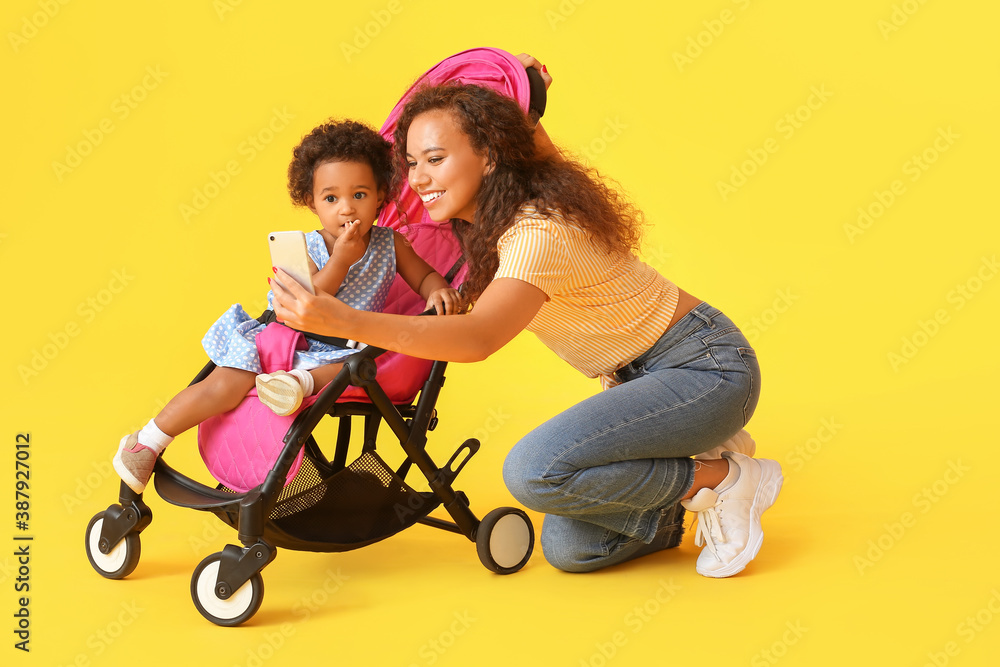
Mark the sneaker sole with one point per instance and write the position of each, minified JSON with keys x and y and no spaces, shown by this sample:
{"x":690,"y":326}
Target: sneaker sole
{"x":130,"y":480}
{"x":767,"y":492}
{"x":277,"y":396}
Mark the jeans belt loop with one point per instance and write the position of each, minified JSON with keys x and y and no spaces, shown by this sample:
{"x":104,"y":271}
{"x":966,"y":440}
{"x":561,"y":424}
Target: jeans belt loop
{"x":705,"y":318}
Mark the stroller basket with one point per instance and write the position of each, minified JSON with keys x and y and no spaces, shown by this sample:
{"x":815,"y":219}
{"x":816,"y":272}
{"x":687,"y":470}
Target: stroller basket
{"x":359,"y":505}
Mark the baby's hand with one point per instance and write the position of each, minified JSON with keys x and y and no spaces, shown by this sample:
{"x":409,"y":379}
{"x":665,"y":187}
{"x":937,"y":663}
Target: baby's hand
{"x":350,"y":246}
{"x":445,"y":301}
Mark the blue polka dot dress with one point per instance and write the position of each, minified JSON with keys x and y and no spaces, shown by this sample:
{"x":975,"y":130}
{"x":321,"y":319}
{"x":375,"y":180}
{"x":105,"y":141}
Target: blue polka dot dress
{"x":231,"y":341}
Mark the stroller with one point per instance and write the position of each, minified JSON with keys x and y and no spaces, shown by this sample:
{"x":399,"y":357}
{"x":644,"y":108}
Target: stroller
{"x":282,"y":492}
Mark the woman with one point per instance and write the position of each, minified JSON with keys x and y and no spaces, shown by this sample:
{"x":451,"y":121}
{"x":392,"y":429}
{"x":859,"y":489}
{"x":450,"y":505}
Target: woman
{"x":551,"y":249}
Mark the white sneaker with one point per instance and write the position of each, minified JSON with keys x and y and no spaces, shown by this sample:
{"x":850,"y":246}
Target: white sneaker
{"x":729,"y":518}
{"x":280,"y":391}
{"x":741,"y":442}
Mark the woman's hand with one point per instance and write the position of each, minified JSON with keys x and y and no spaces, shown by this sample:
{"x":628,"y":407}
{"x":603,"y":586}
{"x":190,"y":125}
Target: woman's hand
{"x":528,"y":61}
{"x":444,"y":301}
{"x":294,"y":306}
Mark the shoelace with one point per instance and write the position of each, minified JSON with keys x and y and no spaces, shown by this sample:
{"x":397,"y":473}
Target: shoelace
{"x":709,"y":530}
{"x":705,"y":506}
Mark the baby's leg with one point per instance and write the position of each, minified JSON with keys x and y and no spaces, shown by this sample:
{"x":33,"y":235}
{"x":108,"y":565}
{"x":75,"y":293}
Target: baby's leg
{"x":220,"y":392}
{"x":323,"y":375}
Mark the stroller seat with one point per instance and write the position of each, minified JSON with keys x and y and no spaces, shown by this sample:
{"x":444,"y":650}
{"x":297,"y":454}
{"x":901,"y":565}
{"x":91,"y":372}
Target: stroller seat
{"x":239,"y":447}
{"x":327,"y":505}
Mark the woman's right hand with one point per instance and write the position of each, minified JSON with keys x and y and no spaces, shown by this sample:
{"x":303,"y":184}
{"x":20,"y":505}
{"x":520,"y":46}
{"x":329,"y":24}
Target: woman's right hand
{"x":294,"y":306}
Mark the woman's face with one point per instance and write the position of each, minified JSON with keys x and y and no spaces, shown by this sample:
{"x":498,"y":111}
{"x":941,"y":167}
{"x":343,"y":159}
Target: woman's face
{"x":443,"y":168}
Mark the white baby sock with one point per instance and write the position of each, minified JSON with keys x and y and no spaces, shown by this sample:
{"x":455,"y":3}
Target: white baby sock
{"x":151,"y":436}
{"x":305,"y":379}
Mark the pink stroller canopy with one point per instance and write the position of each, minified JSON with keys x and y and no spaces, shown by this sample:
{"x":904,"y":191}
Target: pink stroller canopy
{"x":487,"y":67}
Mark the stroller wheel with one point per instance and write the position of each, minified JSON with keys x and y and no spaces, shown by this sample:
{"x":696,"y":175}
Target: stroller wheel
{"x":504,"y":540}
{"x":237,"y":608}
{"x":120,"y":559}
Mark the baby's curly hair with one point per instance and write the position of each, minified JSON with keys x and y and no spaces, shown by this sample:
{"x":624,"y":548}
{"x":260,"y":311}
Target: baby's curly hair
{"x":340,"y":141}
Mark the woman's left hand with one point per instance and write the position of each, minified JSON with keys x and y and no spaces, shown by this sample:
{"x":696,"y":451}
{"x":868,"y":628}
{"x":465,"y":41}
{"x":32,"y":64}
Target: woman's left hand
{"x":320,"y":313}
{"x":528,"y":61}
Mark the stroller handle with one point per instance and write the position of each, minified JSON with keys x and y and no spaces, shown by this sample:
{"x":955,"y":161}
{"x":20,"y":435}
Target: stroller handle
{"x":309,"y":418}
{"x":539,"y":97}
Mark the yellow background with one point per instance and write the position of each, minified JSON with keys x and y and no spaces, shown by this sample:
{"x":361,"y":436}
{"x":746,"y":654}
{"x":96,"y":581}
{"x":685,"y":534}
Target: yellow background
{"x":882,"y":547}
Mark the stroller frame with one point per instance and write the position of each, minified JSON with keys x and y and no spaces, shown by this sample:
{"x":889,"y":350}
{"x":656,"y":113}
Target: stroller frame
{"x":226,"y":586}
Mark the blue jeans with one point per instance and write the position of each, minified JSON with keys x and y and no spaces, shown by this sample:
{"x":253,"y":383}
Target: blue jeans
{"x":602,"y":470}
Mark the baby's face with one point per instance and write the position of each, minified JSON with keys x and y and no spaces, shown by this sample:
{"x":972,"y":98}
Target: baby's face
{"x":344,"y":192}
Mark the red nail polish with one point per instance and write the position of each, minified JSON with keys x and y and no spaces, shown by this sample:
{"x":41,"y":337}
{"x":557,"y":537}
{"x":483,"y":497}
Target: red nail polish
{"x":544,"y":69}
{"x":275,"y":270}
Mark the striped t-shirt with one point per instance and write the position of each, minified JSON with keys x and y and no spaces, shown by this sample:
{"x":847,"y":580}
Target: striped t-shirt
{"x":603,"y":310}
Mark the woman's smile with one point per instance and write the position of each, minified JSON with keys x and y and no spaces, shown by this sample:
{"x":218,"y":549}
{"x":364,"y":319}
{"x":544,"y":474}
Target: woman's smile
{"x":430,"y":197}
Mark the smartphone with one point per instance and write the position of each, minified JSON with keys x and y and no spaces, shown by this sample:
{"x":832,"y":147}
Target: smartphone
{"x":288,"y":252}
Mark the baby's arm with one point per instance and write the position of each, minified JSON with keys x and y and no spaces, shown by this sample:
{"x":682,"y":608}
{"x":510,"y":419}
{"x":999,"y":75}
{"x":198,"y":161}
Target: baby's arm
{"x":439,"y":294}
{"x":424,"y":280}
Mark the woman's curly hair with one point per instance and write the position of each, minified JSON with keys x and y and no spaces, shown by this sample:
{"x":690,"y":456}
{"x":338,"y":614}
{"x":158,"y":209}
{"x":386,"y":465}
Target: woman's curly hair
{"x":498,"y":128}
{"x":341,"y":141}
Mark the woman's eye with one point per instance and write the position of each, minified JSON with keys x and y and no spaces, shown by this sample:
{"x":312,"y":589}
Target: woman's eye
{"x":411,"y":165}
{"x":435,"y":160}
